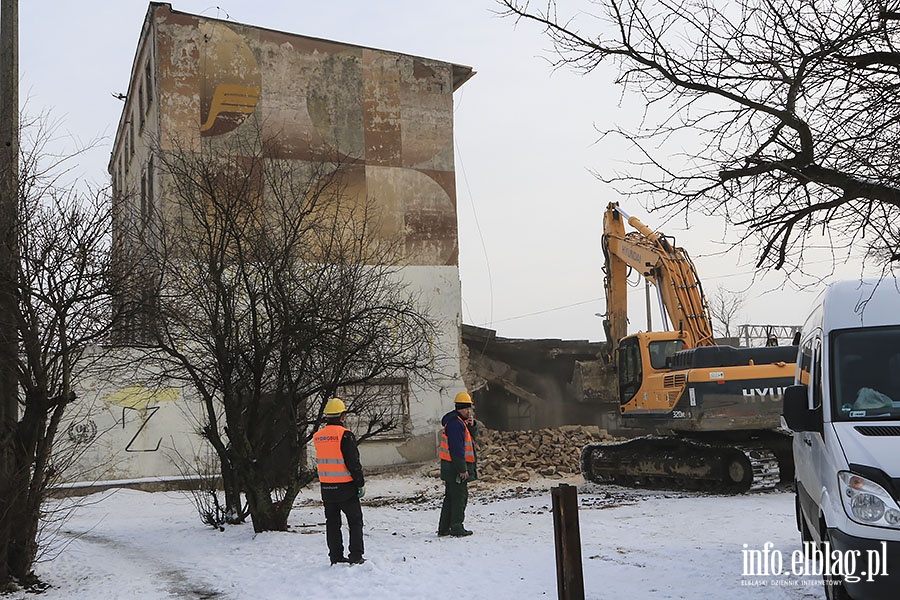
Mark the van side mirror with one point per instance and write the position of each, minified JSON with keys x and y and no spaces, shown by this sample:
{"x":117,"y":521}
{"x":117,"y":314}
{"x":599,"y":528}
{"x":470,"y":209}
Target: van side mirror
{"x":796,"y":411}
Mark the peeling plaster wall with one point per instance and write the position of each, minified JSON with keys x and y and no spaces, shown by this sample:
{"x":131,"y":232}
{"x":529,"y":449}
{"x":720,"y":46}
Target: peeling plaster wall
{"x":386,"y":117}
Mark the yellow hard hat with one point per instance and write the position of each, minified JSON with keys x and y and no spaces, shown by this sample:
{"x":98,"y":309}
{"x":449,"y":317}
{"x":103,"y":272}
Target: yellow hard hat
{"x":463,"y":398}
{"x":335,"y":407}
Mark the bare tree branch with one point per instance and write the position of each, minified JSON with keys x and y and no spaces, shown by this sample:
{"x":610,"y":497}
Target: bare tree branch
{"x":782,"y":118}
{"x":65,"y":290}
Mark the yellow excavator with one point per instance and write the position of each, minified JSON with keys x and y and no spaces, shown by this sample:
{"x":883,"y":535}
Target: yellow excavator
{"x":715,"y":410}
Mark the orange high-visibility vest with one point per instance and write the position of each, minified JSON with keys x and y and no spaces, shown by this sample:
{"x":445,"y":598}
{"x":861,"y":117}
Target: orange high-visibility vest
{"x":329,"y":459}
{"x":444,"y":452}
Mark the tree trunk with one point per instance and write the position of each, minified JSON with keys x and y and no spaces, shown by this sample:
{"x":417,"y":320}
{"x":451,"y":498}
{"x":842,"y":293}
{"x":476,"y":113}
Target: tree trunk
{"x":262,"y":511}
{"x":287,"y":503}
{"x":232,"y":488}
{"x":266,"y":516}
{"x":31,"y":457}
{"x":232,"y":485}
{"x":24,"y":522}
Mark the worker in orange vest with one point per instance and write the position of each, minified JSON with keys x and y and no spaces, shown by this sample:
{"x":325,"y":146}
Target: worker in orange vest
{"x":458,"y":465}
{"x":341,"y":482}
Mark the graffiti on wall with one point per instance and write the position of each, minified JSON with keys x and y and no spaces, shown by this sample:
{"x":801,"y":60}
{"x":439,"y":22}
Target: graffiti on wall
{"x":83,"y":432}
{"x":139,"y":405}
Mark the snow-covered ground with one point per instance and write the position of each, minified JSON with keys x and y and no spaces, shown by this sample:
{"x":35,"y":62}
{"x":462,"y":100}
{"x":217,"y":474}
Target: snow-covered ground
{"x":635,"y":544}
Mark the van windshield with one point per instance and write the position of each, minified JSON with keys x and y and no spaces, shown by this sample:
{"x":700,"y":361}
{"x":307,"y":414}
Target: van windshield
{"x":866,"y":374}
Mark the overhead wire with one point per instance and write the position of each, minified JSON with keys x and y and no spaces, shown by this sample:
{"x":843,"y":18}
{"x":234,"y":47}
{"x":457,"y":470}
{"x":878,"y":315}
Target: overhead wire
{"x":541,"y":312}
{"x":487,"y":261}
{"x":635,"y":289}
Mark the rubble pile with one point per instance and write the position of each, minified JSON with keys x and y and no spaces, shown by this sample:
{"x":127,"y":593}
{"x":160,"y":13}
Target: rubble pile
{"x":521,"y":455}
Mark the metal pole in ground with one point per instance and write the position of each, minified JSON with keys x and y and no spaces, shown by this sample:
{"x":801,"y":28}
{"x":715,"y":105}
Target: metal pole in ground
{"x":569,"y":576}
{"x":9,"y":268}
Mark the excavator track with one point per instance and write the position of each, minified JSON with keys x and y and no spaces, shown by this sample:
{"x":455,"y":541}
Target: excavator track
{"x":680,"y":463}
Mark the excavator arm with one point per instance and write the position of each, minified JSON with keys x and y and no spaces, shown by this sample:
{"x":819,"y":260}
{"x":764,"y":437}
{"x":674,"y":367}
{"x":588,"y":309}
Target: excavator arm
{"x":666,"y":266}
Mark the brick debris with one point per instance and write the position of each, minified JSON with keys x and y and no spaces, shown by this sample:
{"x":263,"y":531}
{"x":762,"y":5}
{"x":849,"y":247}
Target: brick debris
{"x":522,"y":455}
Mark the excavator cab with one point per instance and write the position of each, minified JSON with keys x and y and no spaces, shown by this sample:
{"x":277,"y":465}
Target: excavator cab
{"x":644,"y":354}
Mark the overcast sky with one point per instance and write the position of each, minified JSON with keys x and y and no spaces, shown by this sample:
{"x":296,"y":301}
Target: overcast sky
{"x":530,"y":212}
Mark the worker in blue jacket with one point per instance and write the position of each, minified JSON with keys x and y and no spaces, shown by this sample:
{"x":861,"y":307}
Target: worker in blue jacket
{"x":458,"y":465}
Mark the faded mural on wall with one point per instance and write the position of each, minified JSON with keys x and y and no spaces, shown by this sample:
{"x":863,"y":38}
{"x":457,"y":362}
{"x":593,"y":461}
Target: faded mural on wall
{"x":386,"y":118}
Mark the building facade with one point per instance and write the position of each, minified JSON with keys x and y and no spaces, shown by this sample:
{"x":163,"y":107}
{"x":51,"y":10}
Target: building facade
{"x":385,"y":117}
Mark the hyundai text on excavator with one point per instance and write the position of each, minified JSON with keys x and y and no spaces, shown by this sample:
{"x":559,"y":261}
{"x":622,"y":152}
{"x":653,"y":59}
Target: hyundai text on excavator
{"x":715,"y":410}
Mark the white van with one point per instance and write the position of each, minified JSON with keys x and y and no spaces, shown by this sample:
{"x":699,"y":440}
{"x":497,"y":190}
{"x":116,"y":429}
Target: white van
{"x":844,"y":410}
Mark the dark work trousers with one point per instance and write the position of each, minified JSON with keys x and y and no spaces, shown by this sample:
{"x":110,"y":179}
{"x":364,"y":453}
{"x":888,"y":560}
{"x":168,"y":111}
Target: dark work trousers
{"x":335,"y":540}
{"x":453,"y":510}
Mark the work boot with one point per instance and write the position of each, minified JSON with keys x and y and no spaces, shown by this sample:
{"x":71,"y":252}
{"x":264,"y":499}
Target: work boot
{"x":356,"y":560}
{"x":442,"y":533}
{"x":339,"y":559}
{"x":461,"y":532}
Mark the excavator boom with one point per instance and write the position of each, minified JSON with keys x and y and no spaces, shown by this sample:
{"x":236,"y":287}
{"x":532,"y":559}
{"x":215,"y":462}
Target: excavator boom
{"x":666,"y":266}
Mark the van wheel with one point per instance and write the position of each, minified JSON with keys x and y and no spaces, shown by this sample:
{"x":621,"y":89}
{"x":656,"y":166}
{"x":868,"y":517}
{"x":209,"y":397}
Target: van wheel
{"x":834,"y":584}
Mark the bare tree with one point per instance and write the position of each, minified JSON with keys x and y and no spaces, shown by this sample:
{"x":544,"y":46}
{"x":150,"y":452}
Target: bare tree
{"x":781,"y":117}
{"x":64,"y":310}
{"x":724,"y":306}
{"x":273,"y":290}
